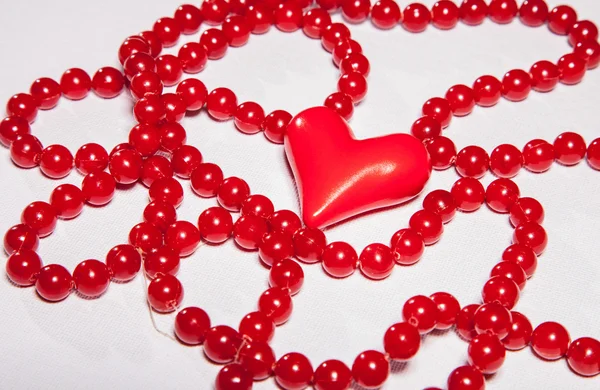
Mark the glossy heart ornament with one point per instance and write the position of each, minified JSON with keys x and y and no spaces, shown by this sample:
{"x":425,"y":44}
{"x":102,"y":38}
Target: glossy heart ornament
{"x":339,"y":176}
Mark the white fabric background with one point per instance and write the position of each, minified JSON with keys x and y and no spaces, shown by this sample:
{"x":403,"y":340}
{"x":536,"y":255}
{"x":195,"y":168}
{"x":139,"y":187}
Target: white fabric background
{"x":110,"y":342}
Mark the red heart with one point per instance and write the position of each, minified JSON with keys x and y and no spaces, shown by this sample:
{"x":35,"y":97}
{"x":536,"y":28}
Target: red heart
{"x":339,"y":176}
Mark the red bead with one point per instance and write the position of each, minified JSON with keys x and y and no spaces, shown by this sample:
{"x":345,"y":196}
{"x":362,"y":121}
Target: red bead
{"x":309,"y":244}
{"x":512,"y":271}
{"x":571,"y":68}
{"x":356,"y":11}
{"x":146,"y":83}
{"x":376,"y":261}
{"x":581,"y":31}
{"x":315,"y":21}
{"x":407,"y":246}
{"x":40,"y":217}
{"x":174,"y":107}
{"x":124,"y":262}
{"x":506,"y":161}
{"x":519,"y":334}
{"x":550,"y":340}
{"x":22,"y":105}
{"x":256,"y":326}
{"x":487,"y":91}
{"x":448,"y":308}
{"x":526,"y":209}
{"x":472,"y":161}
{"x":98,"y":188}
{"x":206,"y":179}
{"x":466,"y":378}
{"x":163,"y":260}
{"x":131,"y":46}
{"x":185,"y":160}
{"x":588,"y":50}
{"x":461,"y":99}
{"x":465,"y":322}
{"x":440,"y":202}
{"x":421,"y":312}
{"x":339,"y":259}
{"x":11,"y":128}
{"x":193,"y":92}
{"x":215,"y":225}
{"x":237,"y":30}
{"x":503,"y":11}
{"x":501,"y":194}
{"x":221,"y":104}
{"x":91,"y":278}
{"x":355,"y":62}
{"x":345,"y":48}
{"x":67,"y":200}
{"x":23,"y":266}
{"x":167,"y":30}
{"x":538,"y":155}
{"x":160,"y":214}
{"x":328,"y":5}
{"x":155,"y":167}
{"x":276,"y":303}
{"x":191,"y":325}
{"x":428,"y":224}
{"x":232,"y":192}
{"x":371,"y":369}
{"x":502,"y":290}
{"x":426,"y":127}
{"x":293,"y":371}
{"x":258,"y":358}
{"x":165,"y":293}
{"x":561,"y":19}
{"x":20,"y":237}
{"x":249,"y":117}
{"x":215,"y":43}
{"x":416,"y":17}
{"x":145,"y":237}
{"x":108,"y":82}
{"x":402,"y":341}
{"x":533,"y":13}
{"x":145,"y":139}
{"x":275,"y":124}
{"x":46,"y":92}
{"x":259,"y":17}
{"x":333,"y":34}
{"x":583,"y":356}
{"x":56,"y":161}
{"x":287,"y":274}
{"x":332,"y":375}
{"x":285,"y":221}
{"x":444,"y":14}
{"x":169,"y":68}
{"x":354,"y":85}
{"x":441,"y":151}
{"x":214,"y":11}
{"x":91,"y":158}
{"x":544,"y":76}
{"x":340,"y":103}
{"x":189,"y":18}
{"x":288,"y":17}
{"x":54,"y":283}
{"x":233,"y":377}
{"x":532,"y":235}
{"x":182,"y":236}
{"x":168,"y":190}
{"x":439,"y":109}
{"x":493,"y":318}
{"x":468,"y":194}
{"x":523,"y":256}
{"x":125,"y":166}
{"x":149,"y":109}
{"x":473,"y":12}
{"x":593,"y":154}
{"x":516,"y":85}
{"x":486,"y":353}
{"x":75,"y":84}
{"x":172,"y":136}
{"x":275,"y":247}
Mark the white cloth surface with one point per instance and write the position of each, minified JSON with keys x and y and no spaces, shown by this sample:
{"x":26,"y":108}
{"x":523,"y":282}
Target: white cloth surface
{"x":110,"y":342}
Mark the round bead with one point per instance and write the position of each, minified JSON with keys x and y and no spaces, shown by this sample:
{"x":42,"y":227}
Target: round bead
{"x":23,"y":266}
{"x":501,"y":194}
{"x":275,"y":124}
{"x":173,"y":136}
{"x":532,"y":235}
{"x":538,"y":155}
{"x":426,"y":127}
{"x":215,"y":42}
{"x":376,"y":261}
{"x":232,"y":193}
{"x":91,"y":158}
{"x":339,"y":259}
{"x":125,"y":166}
{"x":276,"y":303}
{"x":221,"y":103}
{"x":428,"y":224}
{"x":20,"y":237}
{"x":544,"y":76}
{"x":185,"y":160}
{"x":402,"y":341}
{"x":193,"y":92}
{"x":581,"y":31}
{"x":161,"y":261}
{"x":258,"y":358}
{"x":40,"y":217}
{"x":124,"y":262}
{"x":345,"y":48}
{"x":237,"y":30}
{"x":257,"y":205}
{"x":91,"y":278}
{"x":533,"y":13}
{"x":293,"y":371}
{"x":503,"y":11}
{"x":416,"y":17}
{"x":139,"y":62}
{"x":561,"y":19}
{"x":191,"y":325}
{"x":149,"y":109}
{"x":67,"y":200}
{"x":593,"y":154}
{"x":249,"y":117}
{"x":167,"y":30}
{"x":506,"y":161}
{"x":215,"y":225}
{"x":54,"y":283}
{"x":371,"y":369}
{"x":25,"y":151}
{"x":256,"y":326}
{"x":315,"y":21}
{"x":472,"y":161}
{"x":108,"y":82}
{"x":465,"y":322}
{"x":487,"y":91}
{"x":385,"y":14}
{"x":569,"y":148}
{"x":526,"y":209}
{"x":523,"y":256}
{"x":444,"y":14}
{"x":356,"y":11}
{"x":221,"y":344}
{"x":98,"y":188}
{"x":248,"y":231}
{"x":486,"y":353}
{"x":354,"y":85}
{"x":309,"y":244}
{"x":494,"y":319}
{"x":421,"y":312}
{"x":473,"y":12}
{"x":288,"y":17}
{"x":145,"y":237}
{"x":189,"y":18}
{"x":214,"y":11}
{"x":174,"y":107}
{"x":468,"y":194}
{"x":165,"y":293}
{"x":169,"y":68}
{"x":168,"y":190}
{"x":46,"y":92}
{"x":332,"y":375}
{"x":512,"y":271}
{"x":519,"y":334}
{"x":516,"y":85}
{"x":588,"y":50}
{"x":448,"y":308}
{"x":75,"y":84}
{"x":146,"y":83}
{"x":442,"y":152}
{"x":285,"y":221}
{"x":550,"y":340}
{"x":260,"y":17}
{"x":206,"y":179}
{"x":583,"y":356}
{"x":407,"y":246}
{"x":11,"y":128}
{"x":502,"y":290}
{"x":571,"y":69}
{"x":439,"y":109}
{"x":233,"y":377}
{"x":275,"y":247}
{"x":56,"y":161}
{"x":466,"y":378}
{"x":440,"y":202}
{"x":287,"y":274}
{"x":145,"y":139}
{"x":133,"y":45}
{"x":160,"y":214}
{"x":461,"y":99}
{"x":340,"y":103}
